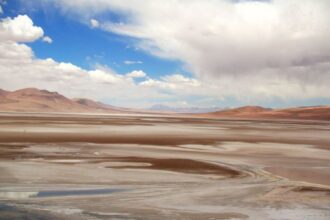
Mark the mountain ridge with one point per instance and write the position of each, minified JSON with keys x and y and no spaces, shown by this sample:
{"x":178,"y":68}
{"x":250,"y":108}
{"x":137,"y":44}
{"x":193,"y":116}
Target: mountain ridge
{"x":36,"y":100}
{"x":258,"y":112}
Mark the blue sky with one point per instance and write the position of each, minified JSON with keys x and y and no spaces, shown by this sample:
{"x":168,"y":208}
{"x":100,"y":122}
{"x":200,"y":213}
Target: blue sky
{"x":180,"y":53}
{"x":77,"y":43}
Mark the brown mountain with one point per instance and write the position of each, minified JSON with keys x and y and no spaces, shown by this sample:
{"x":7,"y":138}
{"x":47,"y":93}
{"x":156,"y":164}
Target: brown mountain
{"x":243,"y":111}
{"x":311,"y":113}
{"x":35,"y":100}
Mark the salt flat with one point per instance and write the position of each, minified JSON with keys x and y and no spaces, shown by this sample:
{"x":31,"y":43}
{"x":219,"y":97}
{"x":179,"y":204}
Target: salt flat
{"x":75,"y":166}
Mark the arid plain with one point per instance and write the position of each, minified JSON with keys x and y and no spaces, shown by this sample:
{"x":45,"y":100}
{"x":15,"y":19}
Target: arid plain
{"x":74,"y":166}
{"x":164,"y":110}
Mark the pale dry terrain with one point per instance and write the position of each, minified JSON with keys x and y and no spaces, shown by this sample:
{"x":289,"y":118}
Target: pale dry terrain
{"x":71,"y":166}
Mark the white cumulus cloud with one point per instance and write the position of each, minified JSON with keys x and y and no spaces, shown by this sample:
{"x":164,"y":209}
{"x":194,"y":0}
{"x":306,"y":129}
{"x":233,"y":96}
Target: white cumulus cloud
{"x":105,"y":76}
{"x":137,"y":74}
{"x":94,"y":23}
{"x":248,"y":49}
{"x":19,"y":68}
{"x":19,"y":29}
{"x":47,"y":39}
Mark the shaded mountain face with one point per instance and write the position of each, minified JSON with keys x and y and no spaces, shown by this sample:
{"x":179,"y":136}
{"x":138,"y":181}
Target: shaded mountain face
{"x":3,"y":92}
{"x":91,"y":104}
{"x":101,"y":106}
{"x":35,"y":100}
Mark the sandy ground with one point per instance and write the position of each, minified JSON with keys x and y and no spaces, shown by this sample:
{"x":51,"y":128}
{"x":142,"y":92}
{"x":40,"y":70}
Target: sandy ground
{"x":155,"y":167}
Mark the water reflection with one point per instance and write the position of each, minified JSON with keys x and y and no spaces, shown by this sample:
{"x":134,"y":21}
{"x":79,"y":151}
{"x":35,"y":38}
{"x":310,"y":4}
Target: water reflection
{"x":54,"y":193}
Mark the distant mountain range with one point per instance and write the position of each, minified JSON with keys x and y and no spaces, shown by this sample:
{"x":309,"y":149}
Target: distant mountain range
{"x":165,"y":108}
{"x":35,"y":100}
{"x":311,"y":113}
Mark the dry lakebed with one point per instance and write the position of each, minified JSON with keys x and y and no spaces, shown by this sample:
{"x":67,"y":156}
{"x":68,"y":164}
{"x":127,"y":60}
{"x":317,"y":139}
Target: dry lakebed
{"x":74,"y":166}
